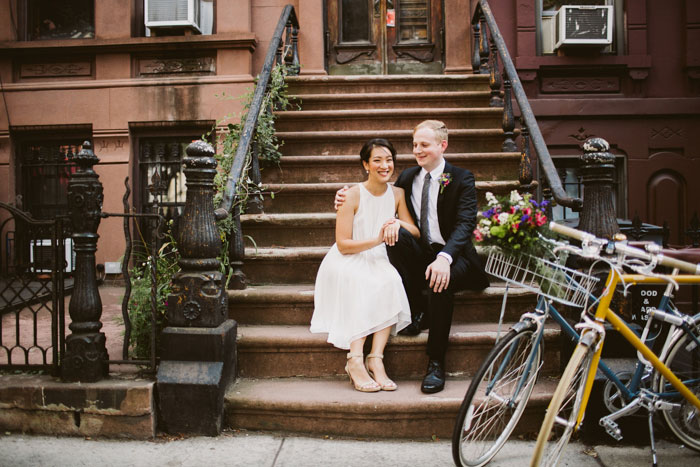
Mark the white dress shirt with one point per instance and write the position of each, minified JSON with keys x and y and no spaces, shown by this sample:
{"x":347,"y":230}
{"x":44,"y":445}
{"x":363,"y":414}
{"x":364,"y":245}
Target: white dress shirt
{"x":416,"y":193}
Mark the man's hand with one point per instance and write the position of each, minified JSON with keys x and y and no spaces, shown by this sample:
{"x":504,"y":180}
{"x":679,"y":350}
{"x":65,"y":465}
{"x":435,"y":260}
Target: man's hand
{"x":340,"y":197}
{"x":438,"y":274}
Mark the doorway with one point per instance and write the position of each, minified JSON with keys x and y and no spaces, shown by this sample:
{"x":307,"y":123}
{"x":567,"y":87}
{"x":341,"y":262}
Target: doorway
{"x":384,"y":37}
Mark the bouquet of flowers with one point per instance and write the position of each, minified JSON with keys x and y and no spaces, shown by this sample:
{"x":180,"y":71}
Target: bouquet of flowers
{"x":511,"y":223}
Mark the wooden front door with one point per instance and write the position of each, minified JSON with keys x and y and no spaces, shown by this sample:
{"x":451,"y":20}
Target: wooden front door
{"x":384,"y":36}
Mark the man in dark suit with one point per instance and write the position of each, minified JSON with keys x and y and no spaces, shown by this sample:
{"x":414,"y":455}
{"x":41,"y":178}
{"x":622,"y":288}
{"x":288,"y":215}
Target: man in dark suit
{"x":444,"y":259}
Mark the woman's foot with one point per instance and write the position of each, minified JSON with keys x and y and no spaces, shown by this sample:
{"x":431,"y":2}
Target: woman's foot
{"x":359,"y":377}
{"x":375,"y":367}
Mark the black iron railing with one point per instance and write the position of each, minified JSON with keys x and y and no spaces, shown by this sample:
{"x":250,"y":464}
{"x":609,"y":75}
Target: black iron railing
{"x":489,"y":47}
{"x":247,"y":154}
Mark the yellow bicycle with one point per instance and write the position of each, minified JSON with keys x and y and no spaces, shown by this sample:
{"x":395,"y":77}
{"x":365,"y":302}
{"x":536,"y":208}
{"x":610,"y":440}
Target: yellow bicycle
{"x":675,"y":383}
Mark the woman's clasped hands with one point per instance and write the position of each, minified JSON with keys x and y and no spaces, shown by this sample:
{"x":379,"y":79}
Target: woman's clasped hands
{"x":390,"y":231}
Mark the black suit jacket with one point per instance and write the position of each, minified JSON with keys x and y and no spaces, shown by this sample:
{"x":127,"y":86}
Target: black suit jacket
{"x":456,"y":211}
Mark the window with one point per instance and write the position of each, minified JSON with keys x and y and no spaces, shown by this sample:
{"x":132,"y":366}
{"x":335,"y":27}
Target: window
{"x":65,"y":19}
{"x":570,"y":175}
{"x":546,"y":27}
{"x":45,"y":169}
{"x":160,"y":179}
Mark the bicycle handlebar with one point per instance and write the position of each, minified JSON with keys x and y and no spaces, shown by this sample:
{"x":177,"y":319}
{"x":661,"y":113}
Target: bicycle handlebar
{"x":585,"y":237}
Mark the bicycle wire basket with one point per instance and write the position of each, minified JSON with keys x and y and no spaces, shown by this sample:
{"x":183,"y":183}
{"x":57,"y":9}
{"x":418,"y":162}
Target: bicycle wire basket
{"x":554,"y":281}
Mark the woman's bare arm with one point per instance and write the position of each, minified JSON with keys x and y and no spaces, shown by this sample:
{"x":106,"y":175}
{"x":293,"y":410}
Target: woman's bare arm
{"x":343,"y":226}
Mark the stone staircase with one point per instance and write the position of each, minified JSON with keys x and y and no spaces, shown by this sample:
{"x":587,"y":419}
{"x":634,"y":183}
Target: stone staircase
{"x":292,"y":380}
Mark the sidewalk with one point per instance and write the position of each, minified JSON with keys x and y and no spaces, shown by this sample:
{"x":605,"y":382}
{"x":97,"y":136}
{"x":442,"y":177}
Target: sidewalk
{"x":258,"y":449}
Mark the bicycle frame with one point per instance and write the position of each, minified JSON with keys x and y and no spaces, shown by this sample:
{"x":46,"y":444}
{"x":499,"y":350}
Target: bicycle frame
{"x":604,"y":313}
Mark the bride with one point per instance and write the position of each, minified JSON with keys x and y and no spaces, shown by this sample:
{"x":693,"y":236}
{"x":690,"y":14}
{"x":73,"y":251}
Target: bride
{"x":358,"y":292}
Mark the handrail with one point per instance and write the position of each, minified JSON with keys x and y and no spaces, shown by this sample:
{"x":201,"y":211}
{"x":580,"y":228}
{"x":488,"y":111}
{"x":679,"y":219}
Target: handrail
{"x":288,"y":19}
{"x":484,"y":10}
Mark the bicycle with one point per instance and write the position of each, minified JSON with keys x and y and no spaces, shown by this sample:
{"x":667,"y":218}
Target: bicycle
{"x":677,"y":367}
{"x":500,"y":389}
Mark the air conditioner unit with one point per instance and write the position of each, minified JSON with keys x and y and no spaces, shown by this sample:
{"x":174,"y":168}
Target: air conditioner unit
{"x":40,"y":255}
{"x":173,"y":14}
{"x":584,"y":25}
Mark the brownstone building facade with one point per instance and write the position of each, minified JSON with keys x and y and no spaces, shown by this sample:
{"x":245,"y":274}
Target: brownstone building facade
{"x":93,"y":70}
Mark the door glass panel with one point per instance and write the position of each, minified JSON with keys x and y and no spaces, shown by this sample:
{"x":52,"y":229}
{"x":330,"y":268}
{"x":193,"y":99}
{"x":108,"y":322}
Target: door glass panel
{"x":355,"y":20}
{"x":413,"y":20}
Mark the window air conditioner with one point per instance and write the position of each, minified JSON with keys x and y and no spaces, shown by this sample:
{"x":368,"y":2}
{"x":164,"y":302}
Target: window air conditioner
{"x":173,"y":14}
{"x":41,"y":259}
{"x":584,"y":25}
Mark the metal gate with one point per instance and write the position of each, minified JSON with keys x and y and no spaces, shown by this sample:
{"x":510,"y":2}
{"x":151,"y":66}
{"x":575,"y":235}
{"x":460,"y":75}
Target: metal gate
{"x":34,"y":257}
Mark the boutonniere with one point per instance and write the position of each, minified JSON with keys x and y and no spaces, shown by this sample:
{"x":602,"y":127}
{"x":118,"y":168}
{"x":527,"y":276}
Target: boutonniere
{"x":444,"y":180}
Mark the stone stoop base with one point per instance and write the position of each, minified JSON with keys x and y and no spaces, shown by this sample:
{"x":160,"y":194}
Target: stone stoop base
{"x":117,"y":407}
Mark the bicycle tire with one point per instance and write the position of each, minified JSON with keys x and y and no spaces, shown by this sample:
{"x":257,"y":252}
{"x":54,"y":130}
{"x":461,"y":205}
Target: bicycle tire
{"x":563,"y":409}
{"x":683,"y":359}
{"x":485,"y":421}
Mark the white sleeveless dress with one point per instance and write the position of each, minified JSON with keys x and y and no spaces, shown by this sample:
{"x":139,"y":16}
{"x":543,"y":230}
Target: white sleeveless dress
{"x":359,"y":294}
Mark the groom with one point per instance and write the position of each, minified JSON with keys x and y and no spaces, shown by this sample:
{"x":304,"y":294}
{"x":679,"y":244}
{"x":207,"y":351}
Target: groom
{"x":442,"y":201}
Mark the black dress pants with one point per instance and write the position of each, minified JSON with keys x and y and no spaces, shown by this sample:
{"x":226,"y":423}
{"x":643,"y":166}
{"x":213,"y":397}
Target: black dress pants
{"x":411,"y":258}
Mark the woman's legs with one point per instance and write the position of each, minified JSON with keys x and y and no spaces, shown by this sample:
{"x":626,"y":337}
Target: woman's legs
{"x":356,"y":366}
{"x":375,"y":364}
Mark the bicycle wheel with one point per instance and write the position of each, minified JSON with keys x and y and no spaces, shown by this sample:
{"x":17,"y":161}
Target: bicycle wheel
{"x":491,"y":409}
{"x":560,"y":419}
{"x":683,"y":359}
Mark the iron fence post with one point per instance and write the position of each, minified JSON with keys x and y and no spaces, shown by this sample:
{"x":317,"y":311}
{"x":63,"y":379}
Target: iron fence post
{"x":598,"y":176}
{"x":198,"y":347}
{"x":85,"y":359}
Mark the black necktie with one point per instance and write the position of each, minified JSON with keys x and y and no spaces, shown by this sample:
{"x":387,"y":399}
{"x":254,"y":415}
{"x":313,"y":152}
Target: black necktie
{"x":424,"y":209}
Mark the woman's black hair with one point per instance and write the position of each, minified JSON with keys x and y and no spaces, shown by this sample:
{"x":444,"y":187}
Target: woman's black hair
{"x":371,"y":144}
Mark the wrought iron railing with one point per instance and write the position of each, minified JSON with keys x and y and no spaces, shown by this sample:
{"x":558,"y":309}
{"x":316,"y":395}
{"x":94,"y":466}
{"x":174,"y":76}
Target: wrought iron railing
{"x":489,"y":47}
{"x":279,"y":52}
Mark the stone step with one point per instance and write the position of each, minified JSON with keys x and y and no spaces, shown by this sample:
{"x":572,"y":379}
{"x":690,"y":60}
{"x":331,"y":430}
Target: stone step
{"x":396,"y":100}
{"x":490,"y":166}
{"x":278,"y":351}
{"x":305,"y":143}
{"x":293,"y":304}
{"x":318,"y":197}
{"x":361,"y":84}
{"x":292,"y":265}
{"x":386,"y":119}
{"x":333,"y":407}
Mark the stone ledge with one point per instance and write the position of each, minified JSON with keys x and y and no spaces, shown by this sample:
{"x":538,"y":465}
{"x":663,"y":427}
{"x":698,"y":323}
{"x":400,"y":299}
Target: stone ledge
{"x":114,"y":407}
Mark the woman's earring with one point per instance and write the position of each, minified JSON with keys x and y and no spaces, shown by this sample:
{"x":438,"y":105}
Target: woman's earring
{"x":367,"y":171}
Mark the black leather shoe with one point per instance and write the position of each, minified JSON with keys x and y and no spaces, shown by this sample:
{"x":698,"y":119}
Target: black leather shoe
{"x":411,"y":330}
{"x":418,"y":323}
{"x":434,"y":380}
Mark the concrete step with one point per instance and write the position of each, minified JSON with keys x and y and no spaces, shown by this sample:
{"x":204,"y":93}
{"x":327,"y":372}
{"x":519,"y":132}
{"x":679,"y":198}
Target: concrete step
{"x":333,"y":407}
{"x":490,"y":166}
{"x":318,"y":197}
{"x":360,"y":84}
{"x":386,"y":118}
{"x":279,"y":351}
{"x":121,"y":406}
{"x":293,"y":304}
{"x":395,"y":100}
{"x":305,"y":143}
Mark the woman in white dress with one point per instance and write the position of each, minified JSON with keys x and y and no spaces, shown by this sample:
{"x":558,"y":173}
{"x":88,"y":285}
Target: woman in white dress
{"x":358,"y":292}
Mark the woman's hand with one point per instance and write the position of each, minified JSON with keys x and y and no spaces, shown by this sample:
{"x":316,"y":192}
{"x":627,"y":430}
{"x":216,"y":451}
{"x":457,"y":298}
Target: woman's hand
{"x":391,"y":231}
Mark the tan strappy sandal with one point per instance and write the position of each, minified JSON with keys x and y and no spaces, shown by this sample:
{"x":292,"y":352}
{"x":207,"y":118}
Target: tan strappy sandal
{"x":370,"y":386}
{"x":389,"y":385}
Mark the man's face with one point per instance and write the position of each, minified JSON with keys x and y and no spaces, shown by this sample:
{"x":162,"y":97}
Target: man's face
{"x":427,"y":149}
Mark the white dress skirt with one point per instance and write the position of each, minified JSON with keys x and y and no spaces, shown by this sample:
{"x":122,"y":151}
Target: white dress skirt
{"x":359,"y":294}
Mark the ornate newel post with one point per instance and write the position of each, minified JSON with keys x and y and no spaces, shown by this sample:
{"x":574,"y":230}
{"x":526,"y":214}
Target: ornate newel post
{"x":598,"y":177}
{"x":85,"y":359}
{"x":198,"y":352}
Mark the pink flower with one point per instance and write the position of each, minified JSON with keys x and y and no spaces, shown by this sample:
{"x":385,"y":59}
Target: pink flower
{"x":477,"y":235}
{"x":540,"y":219}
